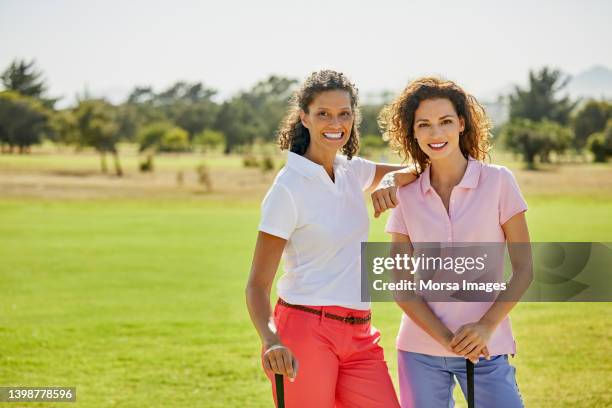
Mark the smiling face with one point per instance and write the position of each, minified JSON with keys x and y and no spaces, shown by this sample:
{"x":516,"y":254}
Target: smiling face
{"x":437,"y":127}
{"x":329,"y":120}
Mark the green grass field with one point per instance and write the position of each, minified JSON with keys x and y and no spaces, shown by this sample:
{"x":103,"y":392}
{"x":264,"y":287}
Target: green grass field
{"x":139,"y":302}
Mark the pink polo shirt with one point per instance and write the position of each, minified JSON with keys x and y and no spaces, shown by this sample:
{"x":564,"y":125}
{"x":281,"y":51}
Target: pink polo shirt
{"x":480,"y":204}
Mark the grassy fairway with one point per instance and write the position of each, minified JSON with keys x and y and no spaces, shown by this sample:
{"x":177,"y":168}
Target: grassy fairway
{"x":132,"y":289}
{"x":140,"y":304}
{"x":127,"y":301}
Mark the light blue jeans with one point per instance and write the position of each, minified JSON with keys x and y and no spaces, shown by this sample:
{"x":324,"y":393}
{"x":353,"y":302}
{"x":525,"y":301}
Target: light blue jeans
{"x":428,"y":381}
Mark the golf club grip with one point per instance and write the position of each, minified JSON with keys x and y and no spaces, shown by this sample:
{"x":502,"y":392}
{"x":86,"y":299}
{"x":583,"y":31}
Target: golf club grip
{"x":470,"y":383}
{"x":280,"y":391}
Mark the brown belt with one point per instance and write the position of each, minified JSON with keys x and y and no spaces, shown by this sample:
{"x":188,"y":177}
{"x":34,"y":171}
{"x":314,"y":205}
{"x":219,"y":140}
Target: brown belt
{"x":344,"y":319}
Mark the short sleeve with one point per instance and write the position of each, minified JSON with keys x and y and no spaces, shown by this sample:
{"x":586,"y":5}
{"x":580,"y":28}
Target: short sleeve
{"x":511,"y":201}
{"x":364,"y":170}
{"x":278,"y":212}
{"x":396,"y":222}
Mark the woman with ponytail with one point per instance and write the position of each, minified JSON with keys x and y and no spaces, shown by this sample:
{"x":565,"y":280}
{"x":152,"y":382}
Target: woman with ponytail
{"x":319,"y":335}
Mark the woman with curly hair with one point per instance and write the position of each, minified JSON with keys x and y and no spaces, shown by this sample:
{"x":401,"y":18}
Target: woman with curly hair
{"x":314,"y":215}
{"x":458,"y":199}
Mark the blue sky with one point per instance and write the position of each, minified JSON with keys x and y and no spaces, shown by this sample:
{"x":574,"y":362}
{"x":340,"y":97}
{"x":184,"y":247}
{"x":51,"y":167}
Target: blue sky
{"x":110,"y":46}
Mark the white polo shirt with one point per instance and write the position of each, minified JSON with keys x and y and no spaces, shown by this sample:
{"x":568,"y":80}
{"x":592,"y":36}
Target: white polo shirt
{"x":324,"y":223}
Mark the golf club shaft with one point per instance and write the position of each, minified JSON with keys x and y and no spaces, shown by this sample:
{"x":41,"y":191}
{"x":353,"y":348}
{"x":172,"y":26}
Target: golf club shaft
{"x":470,"y":383}
{"x":280,"y":391}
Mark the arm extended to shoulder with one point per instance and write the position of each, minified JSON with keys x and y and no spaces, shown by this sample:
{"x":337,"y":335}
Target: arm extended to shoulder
{"x":386,"y":180}
{"x":399,"y":175}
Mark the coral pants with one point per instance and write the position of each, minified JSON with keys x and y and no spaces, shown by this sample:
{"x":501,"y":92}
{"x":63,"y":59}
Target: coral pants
{"x":340,"y":365}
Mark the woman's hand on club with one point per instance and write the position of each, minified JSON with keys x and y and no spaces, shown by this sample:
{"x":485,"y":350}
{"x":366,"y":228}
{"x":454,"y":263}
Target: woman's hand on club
{"x":474,"y":357}
{"x":471,"y":340}
{"x":280,"y":360}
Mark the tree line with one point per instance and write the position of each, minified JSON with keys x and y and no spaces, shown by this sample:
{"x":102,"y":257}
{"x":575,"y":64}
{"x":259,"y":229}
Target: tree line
{"x":185,"y":116}
{"x":544,"y":122}
{"x":182,"y":117}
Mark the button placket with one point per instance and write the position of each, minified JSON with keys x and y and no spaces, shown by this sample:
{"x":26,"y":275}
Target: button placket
{"x":451,"y":211}
{"x":447,"y":217}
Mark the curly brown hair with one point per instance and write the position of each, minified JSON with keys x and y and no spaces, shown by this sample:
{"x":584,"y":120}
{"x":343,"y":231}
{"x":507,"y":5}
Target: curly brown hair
{"x":293,"y":135}
{"x":397,"y":120}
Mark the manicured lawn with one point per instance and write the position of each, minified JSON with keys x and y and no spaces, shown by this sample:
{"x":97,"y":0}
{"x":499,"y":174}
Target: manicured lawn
{"x":139,"y":303}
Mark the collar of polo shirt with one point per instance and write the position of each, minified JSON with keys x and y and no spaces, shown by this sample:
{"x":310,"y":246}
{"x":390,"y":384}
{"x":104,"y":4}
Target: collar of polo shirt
{"x":309,"y":168}
{"x":469,"y":180}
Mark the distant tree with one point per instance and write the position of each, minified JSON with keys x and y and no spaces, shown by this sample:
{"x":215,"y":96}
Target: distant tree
{"x":141,"y":95}
{"x":139,"y":110}
{"x":238,"y":122}
{"x":64,"y":127}
{"x":597,"y":145}
{"x":185,"y":91}
{"x":151,"y":136}
{"x":188,"y":105}
{"x":540,"y":101}
{"x":24,"y":78}
{"x":592,"y":118}
{"x":255,"y":113}
{"x":129,"y":121}
{"x":161,"y":137}
{"x":600,"y":143}
{"x":248,"y":115}
{"x":175,"y":140}
{"x":24,"y":121}
{"x":194,"y":117}
{"x":98,"y":128}
{"x":369,"y":120}
{"x":274,"y":87}
{"x":535,"y":139}
{"x":557,"y":139}
{"x":368,"y":143}
{"x":268,"y":101}
{"x":209,"y":140}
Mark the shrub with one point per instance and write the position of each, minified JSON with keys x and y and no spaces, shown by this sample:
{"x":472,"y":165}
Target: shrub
{"x":267,"y":164}
{"x":249,"y":160}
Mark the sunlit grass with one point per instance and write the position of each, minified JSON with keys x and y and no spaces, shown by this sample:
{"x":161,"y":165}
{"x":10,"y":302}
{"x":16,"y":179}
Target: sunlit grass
{"x":138,"y":301}
{"x":141,"y":303}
